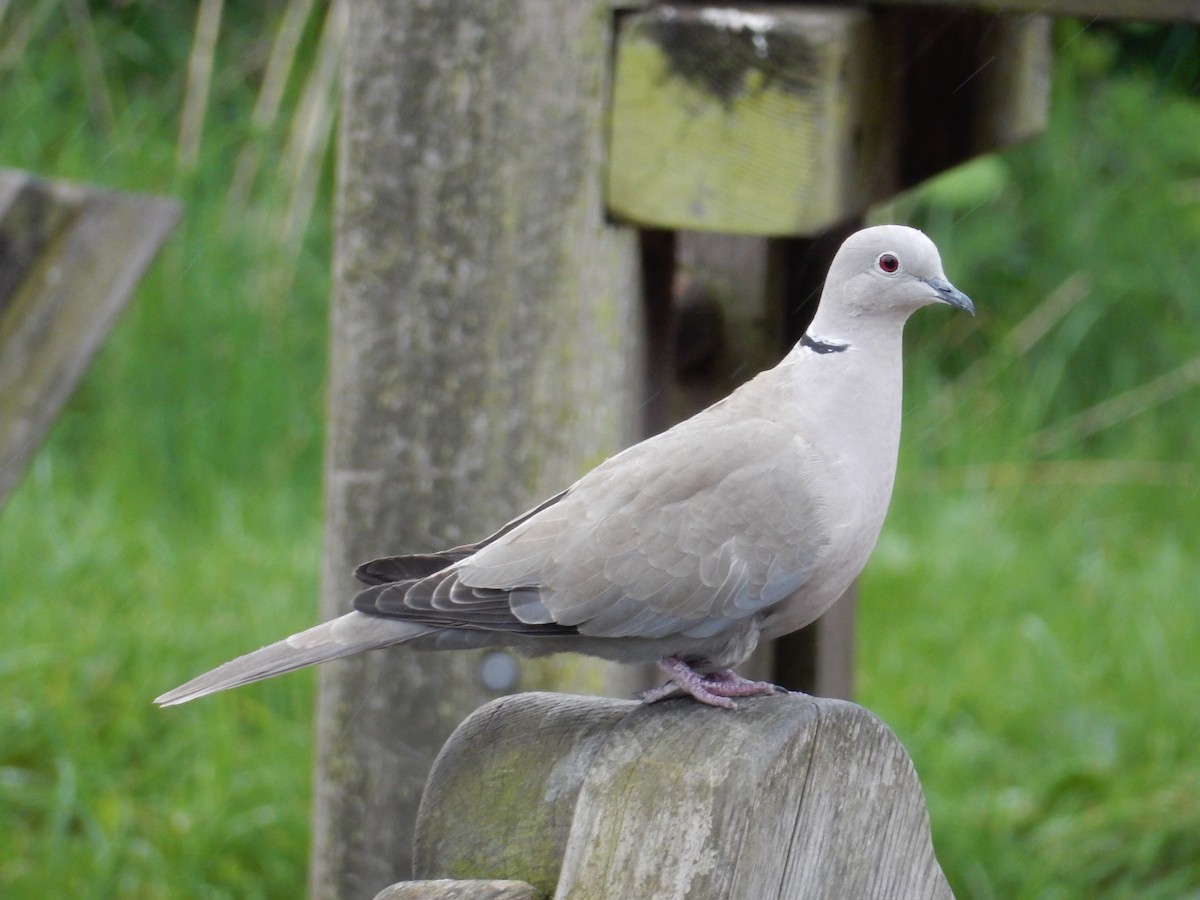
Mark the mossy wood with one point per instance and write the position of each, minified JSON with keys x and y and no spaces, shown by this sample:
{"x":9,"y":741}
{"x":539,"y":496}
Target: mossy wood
{"x":786,"y":797}
{"x":788,"y":120}
{"x":485,"y":353}
{"x":70,"y":257}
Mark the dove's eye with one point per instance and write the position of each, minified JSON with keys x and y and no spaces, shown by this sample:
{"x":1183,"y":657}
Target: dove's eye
{"x":888,"y":263}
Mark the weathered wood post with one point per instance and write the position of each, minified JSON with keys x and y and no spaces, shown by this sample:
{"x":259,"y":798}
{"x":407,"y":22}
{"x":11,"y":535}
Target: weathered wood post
{"x":786,"y":797}
{"x":485,"y":352}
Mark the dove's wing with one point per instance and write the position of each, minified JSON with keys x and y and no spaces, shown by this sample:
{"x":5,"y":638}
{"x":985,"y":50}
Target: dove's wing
{"x":685,"y":534}
{"x":415,"y":566}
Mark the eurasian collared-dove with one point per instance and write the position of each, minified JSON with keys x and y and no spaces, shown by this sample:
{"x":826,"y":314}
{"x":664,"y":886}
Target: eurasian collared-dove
{"x":745,"y":522}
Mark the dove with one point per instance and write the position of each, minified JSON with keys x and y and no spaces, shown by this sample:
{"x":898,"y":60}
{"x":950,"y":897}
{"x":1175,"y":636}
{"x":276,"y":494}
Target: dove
{"x":738,"y":525}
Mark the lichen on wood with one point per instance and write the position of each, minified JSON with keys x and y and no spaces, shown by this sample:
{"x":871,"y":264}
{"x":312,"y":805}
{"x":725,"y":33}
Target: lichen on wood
{"x":584,"y":798}
{"x":737,"y":122}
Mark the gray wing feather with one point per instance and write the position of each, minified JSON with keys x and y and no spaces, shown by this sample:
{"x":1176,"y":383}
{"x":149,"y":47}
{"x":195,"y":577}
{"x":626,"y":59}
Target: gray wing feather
{"x":687,"y":533}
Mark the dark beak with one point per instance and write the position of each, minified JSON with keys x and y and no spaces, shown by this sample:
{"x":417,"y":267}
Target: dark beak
{"x":948,"y":293}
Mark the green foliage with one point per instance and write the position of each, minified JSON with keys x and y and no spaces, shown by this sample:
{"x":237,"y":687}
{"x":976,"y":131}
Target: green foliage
{"x":1027,"y":623}
{"x":174,"y":514}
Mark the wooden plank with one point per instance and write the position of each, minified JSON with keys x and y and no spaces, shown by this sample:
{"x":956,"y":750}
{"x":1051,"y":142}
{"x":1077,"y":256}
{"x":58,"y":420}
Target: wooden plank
{"x":1132,"y":10}
{"x":819,"y":658}
{"x":785,"y":797}
{"x":748,"y":122}
{"x":456,"y":889}
{"x":485,"y":352}
{"x":500,"y":799}
{"x":70,"y":257}
{"x":789,"y":120}
{"x":729,"y":326}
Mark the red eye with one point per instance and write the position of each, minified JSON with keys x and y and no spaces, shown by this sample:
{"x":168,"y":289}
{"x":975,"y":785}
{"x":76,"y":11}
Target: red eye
{"x":888,"y":264}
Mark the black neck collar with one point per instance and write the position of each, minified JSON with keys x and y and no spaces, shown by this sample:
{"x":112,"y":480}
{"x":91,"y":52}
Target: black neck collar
{"x":819,"y":346}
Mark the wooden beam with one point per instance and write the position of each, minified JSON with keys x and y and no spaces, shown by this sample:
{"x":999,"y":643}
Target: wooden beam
{"x":1131,"y":10}
{"x":486,"y":351}
{"x":789,"y":120}
{"x":736,"y":305}
{"x":70,"y":257}
{"x":964,"y":84}
{"x":818,"y":659}
{"x":747,"y":122}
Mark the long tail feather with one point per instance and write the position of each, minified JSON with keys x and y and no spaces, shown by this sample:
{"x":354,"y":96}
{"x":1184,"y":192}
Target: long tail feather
{"x":344,"y":636}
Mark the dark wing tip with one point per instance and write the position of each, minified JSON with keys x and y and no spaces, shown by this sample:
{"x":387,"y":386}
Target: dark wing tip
{"x":408,"y":568}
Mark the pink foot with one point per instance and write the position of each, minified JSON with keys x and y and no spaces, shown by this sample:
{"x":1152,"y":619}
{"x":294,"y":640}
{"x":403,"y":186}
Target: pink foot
{"x":713,"y":688}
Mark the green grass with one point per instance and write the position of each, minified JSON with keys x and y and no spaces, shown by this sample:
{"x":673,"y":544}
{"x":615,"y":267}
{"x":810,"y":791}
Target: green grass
{"x":1028,"y":623}
{"x":175,"y":511}
{"x":1029,"y":620}
{"x":1035,"y":648}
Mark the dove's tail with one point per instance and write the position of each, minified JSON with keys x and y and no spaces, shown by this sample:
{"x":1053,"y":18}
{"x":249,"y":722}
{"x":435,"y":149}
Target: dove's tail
{"x":349,"y":634}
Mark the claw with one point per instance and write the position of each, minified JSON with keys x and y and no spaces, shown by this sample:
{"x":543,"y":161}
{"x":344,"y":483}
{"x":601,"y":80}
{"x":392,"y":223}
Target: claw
{"x":711,"y":688}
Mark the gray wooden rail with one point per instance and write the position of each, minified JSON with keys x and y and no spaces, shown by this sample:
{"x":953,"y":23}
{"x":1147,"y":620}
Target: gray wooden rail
{"x":578,"y":797}
{"x":485,"y":351}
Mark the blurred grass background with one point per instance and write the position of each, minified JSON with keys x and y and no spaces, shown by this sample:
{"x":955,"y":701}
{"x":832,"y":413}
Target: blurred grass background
{"x":1029,"y":623}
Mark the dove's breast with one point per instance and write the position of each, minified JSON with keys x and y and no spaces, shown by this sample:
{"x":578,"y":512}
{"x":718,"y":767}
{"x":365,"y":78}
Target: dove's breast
{"x":858,"y":416}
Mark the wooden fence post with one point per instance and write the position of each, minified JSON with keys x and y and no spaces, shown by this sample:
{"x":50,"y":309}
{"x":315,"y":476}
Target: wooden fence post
{"x":787,"y":797}
{"x":486,"y":350}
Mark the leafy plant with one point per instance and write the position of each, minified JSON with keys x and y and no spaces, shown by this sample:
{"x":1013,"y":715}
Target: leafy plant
{"x":1027,"y":623}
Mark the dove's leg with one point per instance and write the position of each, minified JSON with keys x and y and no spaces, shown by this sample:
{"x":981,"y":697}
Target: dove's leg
{"x":713,"y":689}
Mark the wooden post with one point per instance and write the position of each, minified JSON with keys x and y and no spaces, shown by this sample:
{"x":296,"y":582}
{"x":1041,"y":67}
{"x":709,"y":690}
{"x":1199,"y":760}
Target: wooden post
{"x":486,"y":351}
{"x":786,"y":797}
{"x":819,"y":658}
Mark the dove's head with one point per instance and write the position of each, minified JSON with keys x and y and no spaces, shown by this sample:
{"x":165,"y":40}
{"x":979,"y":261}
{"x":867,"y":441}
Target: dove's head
{"x":885,"y":274}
